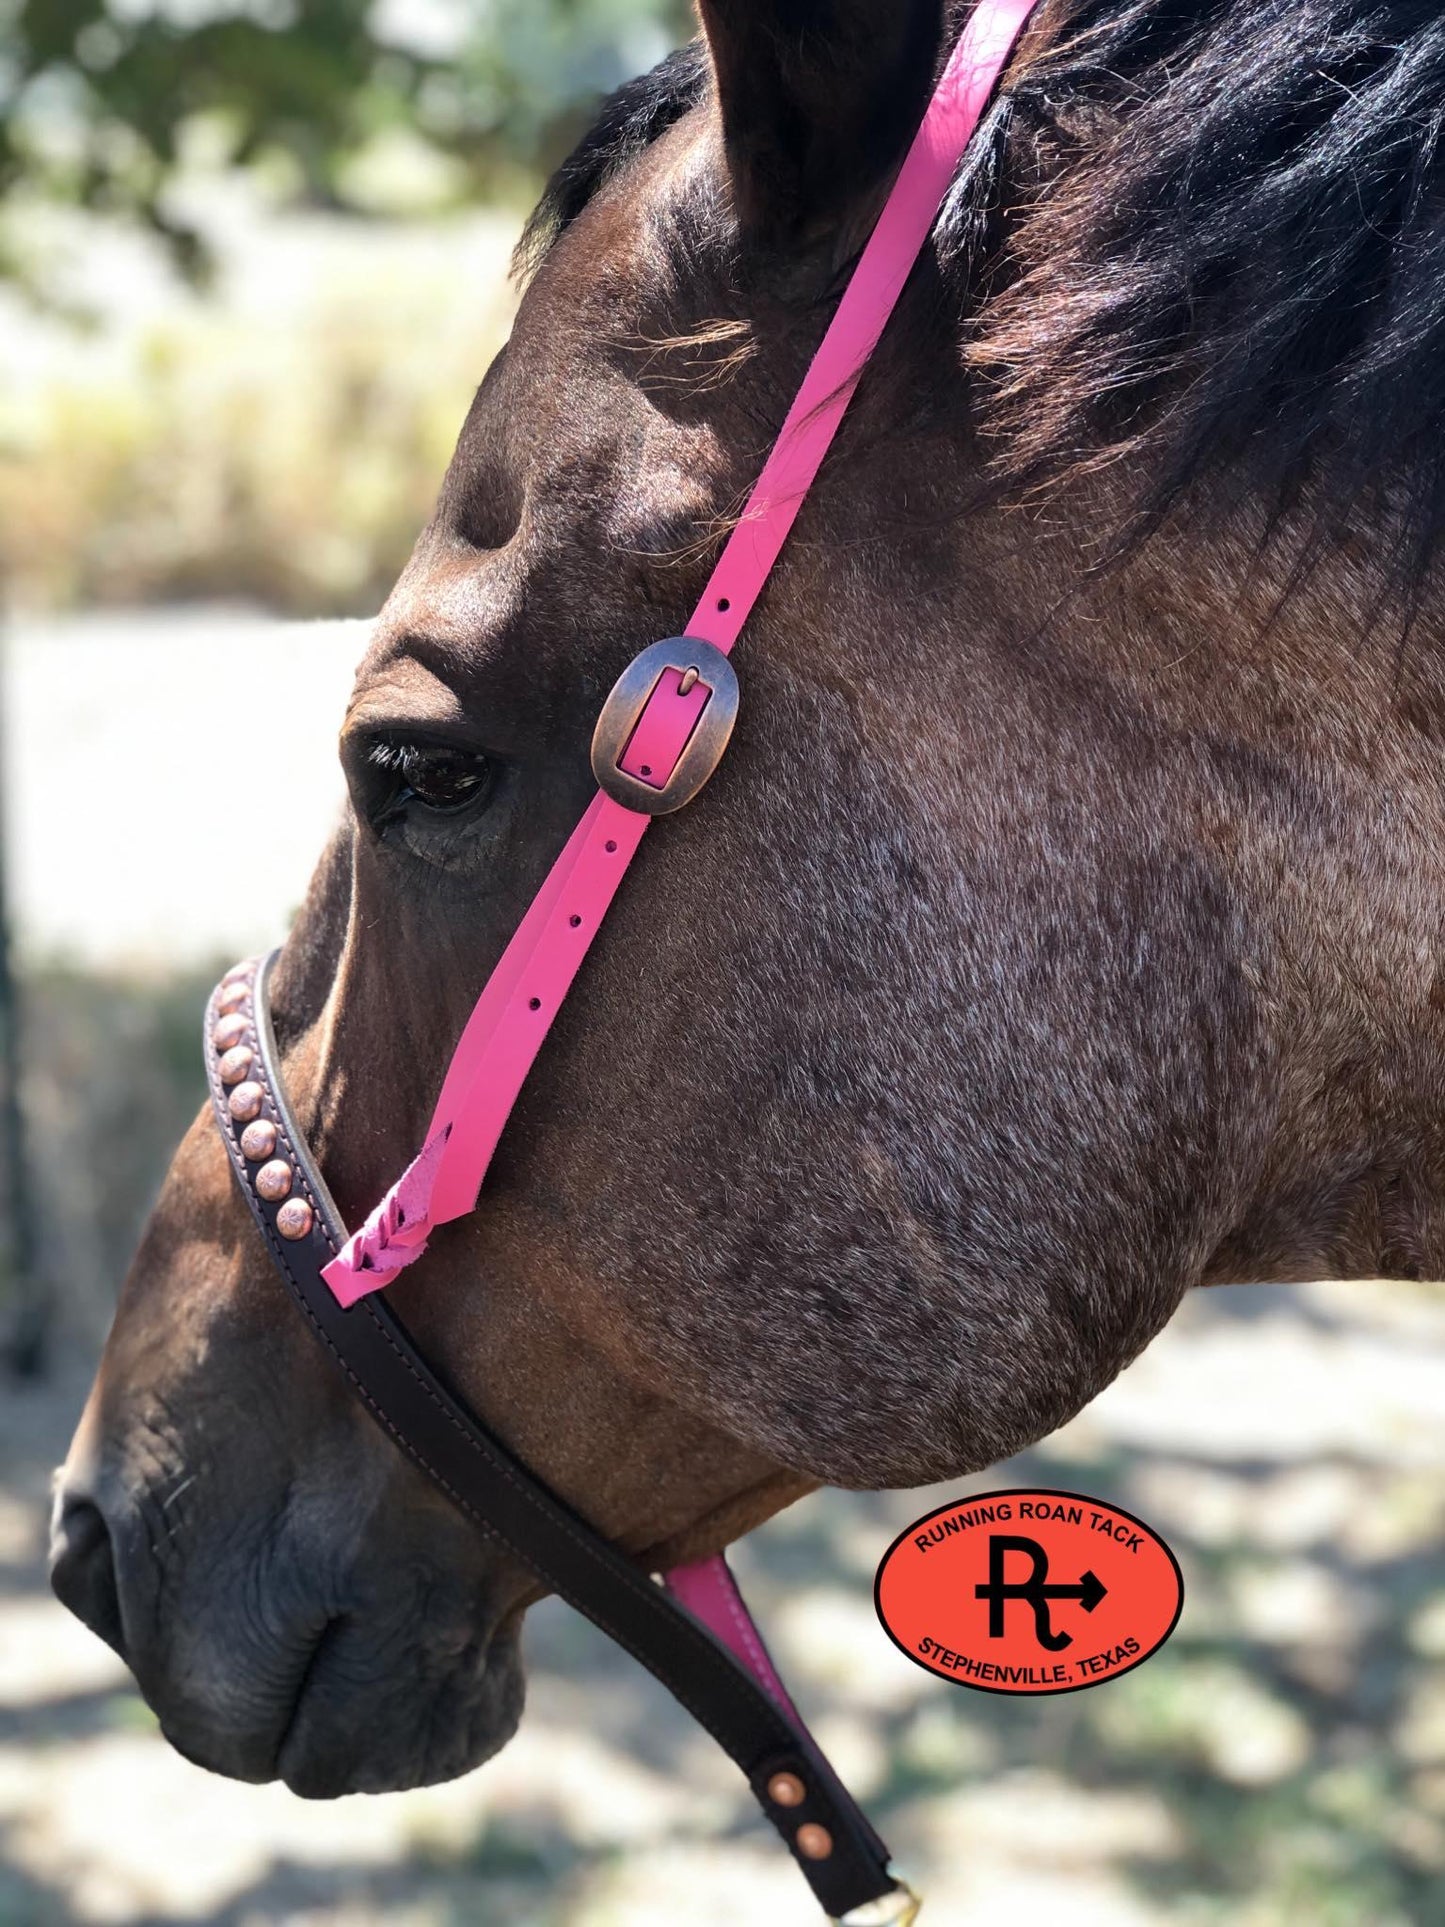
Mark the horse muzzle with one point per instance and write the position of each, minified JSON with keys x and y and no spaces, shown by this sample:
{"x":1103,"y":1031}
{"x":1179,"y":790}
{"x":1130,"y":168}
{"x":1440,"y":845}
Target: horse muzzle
{"x":265,"y":1660}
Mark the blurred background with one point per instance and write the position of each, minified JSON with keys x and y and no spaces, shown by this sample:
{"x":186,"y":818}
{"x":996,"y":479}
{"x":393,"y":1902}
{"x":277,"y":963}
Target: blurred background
{"x":253,"y":260}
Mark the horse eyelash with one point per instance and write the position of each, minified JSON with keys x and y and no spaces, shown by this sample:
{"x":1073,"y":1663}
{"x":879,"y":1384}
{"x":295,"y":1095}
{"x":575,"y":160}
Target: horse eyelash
{"x":390,"y":756}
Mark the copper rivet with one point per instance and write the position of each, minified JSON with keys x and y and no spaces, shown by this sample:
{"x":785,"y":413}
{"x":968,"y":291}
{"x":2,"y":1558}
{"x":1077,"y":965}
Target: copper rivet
{"x":231,"y":999}
{"x":258,"y":1140}
{"x":273,"y":1180}
{"x":229,"y":1031}
{"x":814,"y":1842}
{"x":235,"y":1064}
{"x":236,"y":972}
{"x":786,"y":1790}
{"x":293,"y":1221}
{"x":245,"y":1102}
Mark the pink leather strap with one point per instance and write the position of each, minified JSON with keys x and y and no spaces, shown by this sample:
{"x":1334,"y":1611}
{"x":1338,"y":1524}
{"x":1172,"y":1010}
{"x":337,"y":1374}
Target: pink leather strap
{"x":869,"y":299}
{"x":496,"y":1050}
{"x":663,"y":728}
{"x":522,"y":997}
{"x":710,"y":1593}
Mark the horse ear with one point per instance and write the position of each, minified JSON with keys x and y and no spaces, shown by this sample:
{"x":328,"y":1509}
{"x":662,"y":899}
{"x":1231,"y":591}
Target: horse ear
{"x":818,"y":99}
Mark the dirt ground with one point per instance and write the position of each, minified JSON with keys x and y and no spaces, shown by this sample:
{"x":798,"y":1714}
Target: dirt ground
{"x":1282,"y":1760}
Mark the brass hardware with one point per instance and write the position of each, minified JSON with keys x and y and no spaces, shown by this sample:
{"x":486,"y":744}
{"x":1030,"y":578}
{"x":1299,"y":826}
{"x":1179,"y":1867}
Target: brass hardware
{"x":786,"y":1790}
{"x":245,"y":1102}
{"x":258,"y":1140}
{"x":273,"y":1180}
{"x":813,"y":1842}
{"x":621,"y":713}
{"x":294,"y":1219}
{"x":896,"y":1909}
{"x":229,"y":1032}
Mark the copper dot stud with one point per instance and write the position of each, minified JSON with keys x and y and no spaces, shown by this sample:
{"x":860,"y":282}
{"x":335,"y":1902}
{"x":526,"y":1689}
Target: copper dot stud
{"x":231,"y":998}
{"x":229,"y":1032}
{"x":293,"y":1221}
{"x":234,"y":1064}
{"x":258,"y":1140}
{"x":244,"y":1102}
{"x":813,"y":1842}
{"x":273,"y":1180}
{"x":786,"y":1790}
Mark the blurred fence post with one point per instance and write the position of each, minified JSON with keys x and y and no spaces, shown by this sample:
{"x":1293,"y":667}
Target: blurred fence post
{"x":24,"y":1302}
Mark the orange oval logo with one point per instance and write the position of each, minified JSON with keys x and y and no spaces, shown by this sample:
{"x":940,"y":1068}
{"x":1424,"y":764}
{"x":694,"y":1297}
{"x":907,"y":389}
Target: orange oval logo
{"x":1029,"y":1591}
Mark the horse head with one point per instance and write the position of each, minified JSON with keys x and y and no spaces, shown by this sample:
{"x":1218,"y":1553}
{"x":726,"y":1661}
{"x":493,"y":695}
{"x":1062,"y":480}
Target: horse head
{"x":1052,"y":939}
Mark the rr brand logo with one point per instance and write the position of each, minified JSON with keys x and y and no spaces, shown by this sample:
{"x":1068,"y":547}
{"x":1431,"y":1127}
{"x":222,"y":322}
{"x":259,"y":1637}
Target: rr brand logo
{"x":1029,"y":1592}
{"x":1032,"y":1590}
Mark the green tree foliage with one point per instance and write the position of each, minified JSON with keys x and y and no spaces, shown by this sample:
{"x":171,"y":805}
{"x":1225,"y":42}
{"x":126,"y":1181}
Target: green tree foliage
{"x":99,"y":97}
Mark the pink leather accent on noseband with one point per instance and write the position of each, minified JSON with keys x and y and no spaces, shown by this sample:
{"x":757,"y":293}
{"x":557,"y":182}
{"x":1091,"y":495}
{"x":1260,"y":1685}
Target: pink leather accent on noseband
{"x":710,"y":1593}
{"x":663,"y":729}
{"x":517,"y":1006}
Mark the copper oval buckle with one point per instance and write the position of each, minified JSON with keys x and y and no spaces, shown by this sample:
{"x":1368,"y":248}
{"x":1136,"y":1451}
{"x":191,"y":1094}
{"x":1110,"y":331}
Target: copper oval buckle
{"x":665,"y":725}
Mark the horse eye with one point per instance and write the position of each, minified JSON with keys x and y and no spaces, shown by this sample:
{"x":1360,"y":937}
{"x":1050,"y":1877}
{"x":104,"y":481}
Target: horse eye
{"x":438,"y":777}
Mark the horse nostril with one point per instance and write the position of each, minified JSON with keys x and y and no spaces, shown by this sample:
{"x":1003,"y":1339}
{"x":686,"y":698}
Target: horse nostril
{"x":82,"y":1569}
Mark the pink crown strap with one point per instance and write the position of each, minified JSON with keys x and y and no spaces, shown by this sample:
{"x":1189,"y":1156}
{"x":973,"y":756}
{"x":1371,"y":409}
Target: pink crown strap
{"x":516,"y":1008}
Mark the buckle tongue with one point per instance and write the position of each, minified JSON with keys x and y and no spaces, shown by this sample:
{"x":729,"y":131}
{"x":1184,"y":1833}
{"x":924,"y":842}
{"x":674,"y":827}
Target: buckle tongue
{"x":663,"y":729}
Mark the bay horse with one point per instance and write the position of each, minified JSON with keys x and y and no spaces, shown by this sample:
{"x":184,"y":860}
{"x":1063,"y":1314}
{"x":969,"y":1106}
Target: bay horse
{"x":1062,"y":932}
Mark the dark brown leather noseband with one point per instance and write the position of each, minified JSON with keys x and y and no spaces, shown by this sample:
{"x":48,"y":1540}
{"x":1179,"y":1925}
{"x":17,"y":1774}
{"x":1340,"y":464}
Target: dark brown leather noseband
{"x":412,"y":1402}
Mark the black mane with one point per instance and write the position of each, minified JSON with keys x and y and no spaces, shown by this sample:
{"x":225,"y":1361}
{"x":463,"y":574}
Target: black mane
{"x":629,"y":120}
{"x":1238,"y":260}
{"x":1199,"y":234}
